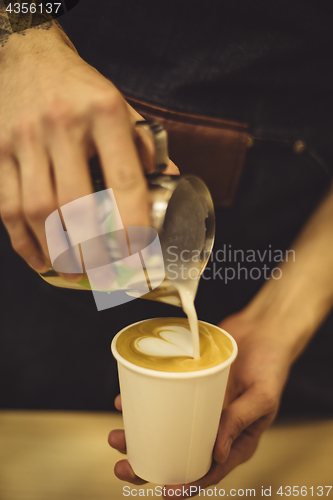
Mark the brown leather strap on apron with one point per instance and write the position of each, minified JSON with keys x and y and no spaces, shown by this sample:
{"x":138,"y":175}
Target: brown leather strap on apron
{"x":211,"y":148}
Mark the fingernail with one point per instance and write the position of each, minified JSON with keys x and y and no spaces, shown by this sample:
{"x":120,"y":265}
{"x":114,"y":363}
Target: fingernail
{"x":37,"y":263}
{"x":73,"y":277}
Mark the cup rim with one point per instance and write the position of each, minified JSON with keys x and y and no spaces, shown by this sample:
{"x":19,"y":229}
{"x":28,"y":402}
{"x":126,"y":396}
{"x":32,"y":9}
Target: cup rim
{"x":174,"y":375}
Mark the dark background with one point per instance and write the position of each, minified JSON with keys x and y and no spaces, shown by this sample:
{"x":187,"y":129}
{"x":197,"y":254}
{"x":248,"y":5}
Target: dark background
{"x":268,"y":64}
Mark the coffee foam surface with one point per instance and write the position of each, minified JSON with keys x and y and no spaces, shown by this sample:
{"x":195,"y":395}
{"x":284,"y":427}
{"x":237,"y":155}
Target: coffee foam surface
{"x":174,"y":341}
{"x":165,"y":344}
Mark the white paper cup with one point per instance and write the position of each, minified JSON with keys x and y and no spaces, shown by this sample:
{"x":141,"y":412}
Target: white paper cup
{"x":171,"y":419}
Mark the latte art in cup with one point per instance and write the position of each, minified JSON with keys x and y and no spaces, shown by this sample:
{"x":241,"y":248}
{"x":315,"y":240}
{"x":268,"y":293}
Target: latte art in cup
{"x":165,"y":344}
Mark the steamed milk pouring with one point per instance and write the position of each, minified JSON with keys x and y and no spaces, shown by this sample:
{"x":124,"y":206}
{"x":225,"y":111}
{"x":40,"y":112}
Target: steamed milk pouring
{"x":183,"y":236}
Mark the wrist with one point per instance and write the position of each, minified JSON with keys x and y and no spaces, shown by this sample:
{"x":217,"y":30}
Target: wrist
{"x":286,"y":313}
{"x":31,"y":43}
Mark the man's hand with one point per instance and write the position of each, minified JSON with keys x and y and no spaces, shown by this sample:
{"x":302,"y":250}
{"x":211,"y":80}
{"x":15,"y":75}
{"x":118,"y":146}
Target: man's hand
{"x":256,"y":381}
{"x":56,"y":112}
{"x":254,"y":390}
{"x":271,"y":332}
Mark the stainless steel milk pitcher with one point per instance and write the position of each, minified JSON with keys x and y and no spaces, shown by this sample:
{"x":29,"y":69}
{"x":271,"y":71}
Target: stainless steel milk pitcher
{"x":182,"y":217}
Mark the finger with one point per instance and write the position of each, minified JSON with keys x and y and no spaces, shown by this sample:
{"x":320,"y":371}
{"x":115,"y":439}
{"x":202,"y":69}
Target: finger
{"x":117,"y":402}
{"x":117,"y":441}
{"x":113,"y":136}
{"x":124,"y":471}
{"x":72,"y":277}
{"x":171,"y":169}
{"x":11,"y":211}
{"x":81,"y":218}
{"x":70,"y":165}
{"x":251,"y":406}
{"x":36,"y":183}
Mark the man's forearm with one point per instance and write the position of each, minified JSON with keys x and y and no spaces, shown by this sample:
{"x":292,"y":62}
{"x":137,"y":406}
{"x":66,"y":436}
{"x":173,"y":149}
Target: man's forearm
{"x":5,"y":27}
{"x":294,"y":306}
{"x":20,"y":22}
{"x":18,"y":25}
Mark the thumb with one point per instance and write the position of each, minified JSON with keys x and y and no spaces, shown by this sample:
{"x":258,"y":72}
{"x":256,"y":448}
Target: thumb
{"x":117,"y":402}
{"x":246,"y":409}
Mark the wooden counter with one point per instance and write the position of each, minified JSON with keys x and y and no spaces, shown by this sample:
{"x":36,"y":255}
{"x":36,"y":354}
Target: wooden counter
{"x":65,"y":456}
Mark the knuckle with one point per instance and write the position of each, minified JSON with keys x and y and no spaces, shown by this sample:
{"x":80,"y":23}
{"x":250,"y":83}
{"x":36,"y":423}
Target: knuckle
{"x":10,"y":214}
{"x":108,"y":102}
{"x":25,"y":129}
{"x":59,"y":114}
{"x":271,"y":402}
{"x":21,"y":244}
{"x":219,"y":454}
{"x":269,"y":399}
{"x":126,"y":179}
{"x":239,"y":425}
{"x":38,"y":210}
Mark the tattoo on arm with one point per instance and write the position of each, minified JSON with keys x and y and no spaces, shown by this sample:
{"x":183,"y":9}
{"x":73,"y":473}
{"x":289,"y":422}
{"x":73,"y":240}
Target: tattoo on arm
{"x":19,"y":23}
{"x":5,"y":27}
